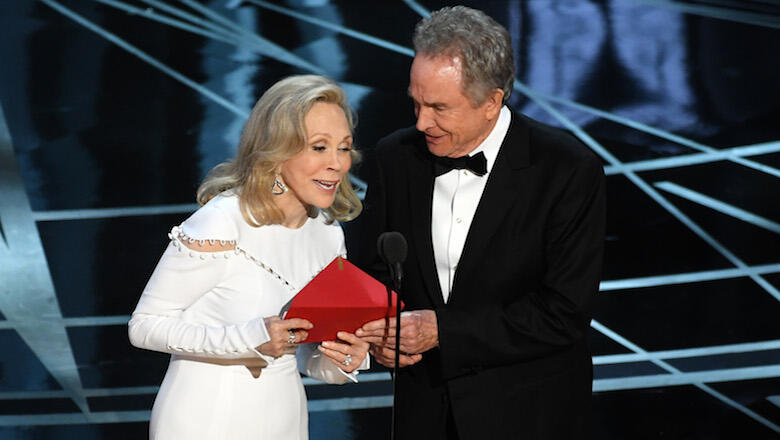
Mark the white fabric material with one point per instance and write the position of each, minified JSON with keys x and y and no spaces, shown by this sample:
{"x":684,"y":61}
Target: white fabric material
{"x":456,"y":195}
{"x":211,"y":305}
{"x":313,"y":363}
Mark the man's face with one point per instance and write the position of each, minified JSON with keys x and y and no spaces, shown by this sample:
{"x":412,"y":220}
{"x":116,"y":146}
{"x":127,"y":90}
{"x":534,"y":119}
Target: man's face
{"x":453,"y":126}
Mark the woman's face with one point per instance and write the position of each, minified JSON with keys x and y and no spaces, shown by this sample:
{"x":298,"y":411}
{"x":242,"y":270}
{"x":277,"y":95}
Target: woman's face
{"x":313,"y":175}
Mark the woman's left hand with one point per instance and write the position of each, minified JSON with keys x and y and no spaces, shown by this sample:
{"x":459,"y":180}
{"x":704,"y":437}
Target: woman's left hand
{"x":348,"y":352}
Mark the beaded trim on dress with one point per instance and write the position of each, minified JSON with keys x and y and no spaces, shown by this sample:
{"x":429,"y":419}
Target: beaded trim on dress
{"x":177,"y":237}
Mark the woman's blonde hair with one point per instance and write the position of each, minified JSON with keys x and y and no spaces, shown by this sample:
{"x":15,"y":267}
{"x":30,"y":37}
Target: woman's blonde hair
{"x":275,"y":132}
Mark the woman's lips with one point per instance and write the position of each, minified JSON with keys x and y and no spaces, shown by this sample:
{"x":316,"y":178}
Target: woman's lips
{"x":327,"y":185}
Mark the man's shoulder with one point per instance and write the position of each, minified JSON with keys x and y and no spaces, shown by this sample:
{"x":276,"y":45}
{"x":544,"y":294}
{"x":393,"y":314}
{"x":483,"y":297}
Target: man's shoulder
{"x":402,"y":141}
{"x":554,"y":143}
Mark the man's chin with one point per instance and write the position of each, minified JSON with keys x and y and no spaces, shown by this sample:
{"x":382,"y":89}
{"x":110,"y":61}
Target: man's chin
{"x":438,"y":148}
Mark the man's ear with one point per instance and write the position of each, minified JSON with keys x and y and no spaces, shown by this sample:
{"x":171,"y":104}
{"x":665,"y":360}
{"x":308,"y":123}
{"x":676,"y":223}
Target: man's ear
{"x":493,"y":103}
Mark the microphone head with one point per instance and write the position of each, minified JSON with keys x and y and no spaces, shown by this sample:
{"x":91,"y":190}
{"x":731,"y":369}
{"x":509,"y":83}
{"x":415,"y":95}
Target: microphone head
{"x":392,"y":247}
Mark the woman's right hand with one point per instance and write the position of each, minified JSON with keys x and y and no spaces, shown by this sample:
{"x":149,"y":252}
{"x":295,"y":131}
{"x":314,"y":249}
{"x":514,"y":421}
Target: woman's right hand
{"x":279,"y":330}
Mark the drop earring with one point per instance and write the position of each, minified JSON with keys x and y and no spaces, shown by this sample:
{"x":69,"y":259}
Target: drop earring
{"x":278,"y":187}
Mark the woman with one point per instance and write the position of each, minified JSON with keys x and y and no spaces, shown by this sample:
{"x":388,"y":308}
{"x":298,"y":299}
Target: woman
{"x":266,"y":227}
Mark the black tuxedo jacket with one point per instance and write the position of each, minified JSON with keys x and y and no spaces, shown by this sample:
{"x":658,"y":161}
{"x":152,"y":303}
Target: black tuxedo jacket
{"x":512,"y":360}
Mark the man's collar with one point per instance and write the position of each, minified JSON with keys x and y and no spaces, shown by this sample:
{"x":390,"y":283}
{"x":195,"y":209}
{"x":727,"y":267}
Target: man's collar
{"x":492,"y":143}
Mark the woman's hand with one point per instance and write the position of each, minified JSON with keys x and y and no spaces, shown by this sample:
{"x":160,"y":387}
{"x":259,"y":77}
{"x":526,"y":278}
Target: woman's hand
{"x":284,"y":333}
{"x":348,"y":352}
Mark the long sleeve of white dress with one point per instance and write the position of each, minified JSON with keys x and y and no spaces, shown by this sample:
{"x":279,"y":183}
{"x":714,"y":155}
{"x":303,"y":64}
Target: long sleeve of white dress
{"x":182,"y":277}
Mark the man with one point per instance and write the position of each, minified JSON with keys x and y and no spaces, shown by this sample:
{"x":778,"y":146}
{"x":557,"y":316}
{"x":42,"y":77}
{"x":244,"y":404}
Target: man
{"x":505,"y":255}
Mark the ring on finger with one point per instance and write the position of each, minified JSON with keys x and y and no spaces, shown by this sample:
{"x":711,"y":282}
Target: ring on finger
{"x":347,"y":360}
{"x":291,"y":339}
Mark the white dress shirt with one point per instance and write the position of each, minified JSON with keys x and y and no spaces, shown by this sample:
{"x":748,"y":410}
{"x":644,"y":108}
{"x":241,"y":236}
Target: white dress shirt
{"x":456,"y":195}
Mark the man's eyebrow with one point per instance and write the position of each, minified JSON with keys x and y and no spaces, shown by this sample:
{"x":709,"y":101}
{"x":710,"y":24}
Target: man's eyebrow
{"x":434,"y":104}
{"x":427,"y":104}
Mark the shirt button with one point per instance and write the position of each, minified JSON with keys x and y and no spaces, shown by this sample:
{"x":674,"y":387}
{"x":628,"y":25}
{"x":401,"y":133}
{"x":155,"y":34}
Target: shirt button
{"x":458,"y":220}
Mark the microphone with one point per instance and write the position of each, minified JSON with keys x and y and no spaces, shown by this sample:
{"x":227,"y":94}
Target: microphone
{"x":392,"y":248}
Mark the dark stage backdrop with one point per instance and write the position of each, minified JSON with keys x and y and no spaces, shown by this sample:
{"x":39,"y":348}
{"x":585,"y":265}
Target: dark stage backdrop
{"x":111,"y":113}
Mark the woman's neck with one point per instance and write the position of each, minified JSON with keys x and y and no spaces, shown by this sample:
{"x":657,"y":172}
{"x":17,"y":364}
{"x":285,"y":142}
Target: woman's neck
{"x":295,"y":213}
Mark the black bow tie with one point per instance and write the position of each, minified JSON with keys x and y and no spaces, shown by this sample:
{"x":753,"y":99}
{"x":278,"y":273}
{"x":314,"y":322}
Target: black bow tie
{"x":477,"y":164}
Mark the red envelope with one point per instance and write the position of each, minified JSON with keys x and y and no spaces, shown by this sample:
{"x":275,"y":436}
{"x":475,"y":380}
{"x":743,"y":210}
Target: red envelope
{"x":340,"y":298}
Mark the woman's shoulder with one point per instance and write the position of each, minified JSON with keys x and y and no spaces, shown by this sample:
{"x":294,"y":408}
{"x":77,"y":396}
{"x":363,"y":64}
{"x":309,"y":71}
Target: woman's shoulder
{"x":327,"y":230}
{"x":216,"y":220}
{"x":324,"y":223}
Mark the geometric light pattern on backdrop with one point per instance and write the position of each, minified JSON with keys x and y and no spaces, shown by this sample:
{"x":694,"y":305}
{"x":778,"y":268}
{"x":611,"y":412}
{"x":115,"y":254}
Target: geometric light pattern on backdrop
{"x":214,"y":26}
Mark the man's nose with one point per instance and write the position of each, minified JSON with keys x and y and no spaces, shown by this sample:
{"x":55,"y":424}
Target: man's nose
{"x":424,"y":119}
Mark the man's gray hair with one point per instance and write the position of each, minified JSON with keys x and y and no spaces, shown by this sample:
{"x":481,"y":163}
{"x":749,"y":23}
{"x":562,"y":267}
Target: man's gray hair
{"x":482,"y":45}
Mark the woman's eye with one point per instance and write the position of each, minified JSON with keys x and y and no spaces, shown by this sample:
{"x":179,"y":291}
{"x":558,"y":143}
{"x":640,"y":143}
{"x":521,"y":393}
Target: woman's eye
{"x":346,"y":148}
{"x":318,"y":148}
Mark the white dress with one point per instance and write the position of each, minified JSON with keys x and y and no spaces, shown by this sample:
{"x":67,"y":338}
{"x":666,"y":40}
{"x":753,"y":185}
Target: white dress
{"x":207,"y":310}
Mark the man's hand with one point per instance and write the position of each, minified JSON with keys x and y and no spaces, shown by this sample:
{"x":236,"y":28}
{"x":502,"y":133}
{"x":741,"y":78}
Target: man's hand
{"x":386,"y":356}
{"x":419,"y":332}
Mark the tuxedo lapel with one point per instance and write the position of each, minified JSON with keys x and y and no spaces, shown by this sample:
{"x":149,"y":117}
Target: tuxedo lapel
{"x":421,"y":180}
{"x":496,"y":201}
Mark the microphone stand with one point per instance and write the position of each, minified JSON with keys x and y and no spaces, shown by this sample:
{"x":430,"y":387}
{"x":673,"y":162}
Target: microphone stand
{"x":391,"y":246}
{"x":396,"y":275}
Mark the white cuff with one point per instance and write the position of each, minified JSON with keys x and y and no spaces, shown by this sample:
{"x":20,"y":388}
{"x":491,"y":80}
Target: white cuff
{"x":365,"y":365}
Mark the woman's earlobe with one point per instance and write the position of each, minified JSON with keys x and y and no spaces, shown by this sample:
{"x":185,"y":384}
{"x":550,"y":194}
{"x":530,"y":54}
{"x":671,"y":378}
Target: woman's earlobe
{"x":278,"y":188}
